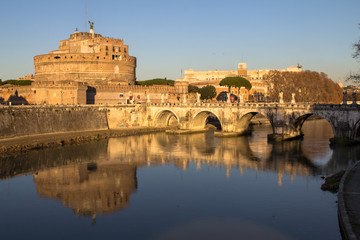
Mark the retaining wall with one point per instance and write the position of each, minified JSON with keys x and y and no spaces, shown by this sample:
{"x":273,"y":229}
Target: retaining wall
{"x":20,"y":121}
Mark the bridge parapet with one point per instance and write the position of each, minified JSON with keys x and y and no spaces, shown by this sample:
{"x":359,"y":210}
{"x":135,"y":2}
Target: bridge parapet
{"x":350,"y":107}
{"x":235,"y":105}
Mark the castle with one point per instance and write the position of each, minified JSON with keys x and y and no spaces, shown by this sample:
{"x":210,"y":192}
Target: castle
{"x":88,"y":57}
{"x":87,"y":68}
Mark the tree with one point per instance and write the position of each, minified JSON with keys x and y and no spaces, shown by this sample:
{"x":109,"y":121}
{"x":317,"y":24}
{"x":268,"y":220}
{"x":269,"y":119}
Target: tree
{"x":17,"y":82}
{"x":236,"y":82}
{"x":156,"y":81}
{"x":208,"y":92}
{"x":356,"y":55}
{"x":308,"y":86}
{"x":193,"y":89}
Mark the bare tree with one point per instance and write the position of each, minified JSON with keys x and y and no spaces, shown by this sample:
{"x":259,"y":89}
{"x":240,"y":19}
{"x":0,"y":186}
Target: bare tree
{"x":356,"y":76}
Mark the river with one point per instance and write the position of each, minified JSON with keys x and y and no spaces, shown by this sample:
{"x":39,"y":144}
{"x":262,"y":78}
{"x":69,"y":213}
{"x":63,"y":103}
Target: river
{"x":161,"y":186}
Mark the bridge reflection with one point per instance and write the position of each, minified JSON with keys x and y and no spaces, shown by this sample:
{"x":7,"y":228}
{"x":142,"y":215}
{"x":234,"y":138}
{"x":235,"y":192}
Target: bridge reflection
{"x":99,"y":178}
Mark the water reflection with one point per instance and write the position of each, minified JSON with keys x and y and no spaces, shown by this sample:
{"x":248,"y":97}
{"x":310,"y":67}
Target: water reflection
{"x":89,"y":189}
{"x":98,"y":178}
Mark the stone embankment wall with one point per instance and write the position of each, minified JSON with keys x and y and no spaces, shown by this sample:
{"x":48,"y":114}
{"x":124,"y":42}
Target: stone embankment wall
{"x":21,"y":121}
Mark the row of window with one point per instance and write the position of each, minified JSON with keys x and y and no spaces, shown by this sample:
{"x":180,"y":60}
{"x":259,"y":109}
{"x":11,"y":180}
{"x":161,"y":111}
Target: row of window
{"x":114,"y":49}
{"x":114,"y":57}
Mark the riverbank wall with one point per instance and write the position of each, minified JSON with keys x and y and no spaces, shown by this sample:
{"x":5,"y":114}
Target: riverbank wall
{"x":24,"y":128}
{"x":31,"y":120}
{"x":21,"y":121}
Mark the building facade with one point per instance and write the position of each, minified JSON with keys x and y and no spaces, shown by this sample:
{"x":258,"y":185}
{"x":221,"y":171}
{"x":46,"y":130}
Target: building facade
{"x":213,"y":77}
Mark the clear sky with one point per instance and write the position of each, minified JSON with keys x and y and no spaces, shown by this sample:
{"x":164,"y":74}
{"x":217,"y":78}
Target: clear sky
{"x":168,"y":36}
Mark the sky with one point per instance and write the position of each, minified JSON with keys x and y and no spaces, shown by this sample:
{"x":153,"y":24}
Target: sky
{"x":170,"y":36}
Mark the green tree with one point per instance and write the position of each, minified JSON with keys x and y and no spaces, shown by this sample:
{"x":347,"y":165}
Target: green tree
{"x":236,"y":82}
{"x":208,"y":92}
{"x":17,"y":82}
{"x":156,"y":81}
{"x":193,"y":89}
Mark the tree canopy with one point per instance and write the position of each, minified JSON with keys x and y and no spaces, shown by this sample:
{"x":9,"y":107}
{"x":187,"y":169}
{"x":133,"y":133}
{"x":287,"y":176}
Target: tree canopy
{"x":236,"y":82}
{"x":208,"y":92}
{"x":193,"y":89}
{"x":308,"y":86}
{"x":17,"y":82}
{"x":156,"y":81}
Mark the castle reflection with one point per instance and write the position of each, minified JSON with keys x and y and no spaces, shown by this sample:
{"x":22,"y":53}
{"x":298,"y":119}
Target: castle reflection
{"x":99,"y":178}
{"x":89,"y":189}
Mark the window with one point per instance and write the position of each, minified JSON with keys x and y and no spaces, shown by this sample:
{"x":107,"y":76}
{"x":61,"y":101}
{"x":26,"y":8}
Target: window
{"x":106,"y":48}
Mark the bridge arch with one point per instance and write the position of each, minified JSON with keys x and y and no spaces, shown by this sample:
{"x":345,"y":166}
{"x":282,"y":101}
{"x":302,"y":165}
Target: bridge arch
{"x":357,"y":130}
{"x":299,"y":122}
{"x":201,"y":118}
{"x":166,"y":118}
{"x":242,"y":124}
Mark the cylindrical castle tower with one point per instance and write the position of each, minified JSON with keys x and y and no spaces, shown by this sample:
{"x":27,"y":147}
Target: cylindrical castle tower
{"x":88,"y":57}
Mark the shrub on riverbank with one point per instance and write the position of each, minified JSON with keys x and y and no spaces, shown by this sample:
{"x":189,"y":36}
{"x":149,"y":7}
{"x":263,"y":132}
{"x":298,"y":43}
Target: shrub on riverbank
{"x":332,"y":182}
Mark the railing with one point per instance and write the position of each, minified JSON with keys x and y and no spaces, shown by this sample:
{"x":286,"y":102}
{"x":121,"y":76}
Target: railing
{"x":262,"y":105}
{"x":238,"y":105}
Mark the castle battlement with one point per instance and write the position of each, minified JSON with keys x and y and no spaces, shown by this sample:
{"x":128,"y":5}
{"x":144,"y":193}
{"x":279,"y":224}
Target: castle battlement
{"x":76,"y":57}
{"x":136,"y":88}
{"x":68,"y":83}
{"x":84,"y":35}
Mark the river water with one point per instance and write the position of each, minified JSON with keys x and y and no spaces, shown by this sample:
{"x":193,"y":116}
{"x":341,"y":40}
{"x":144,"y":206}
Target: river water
{"x":161,"y":186}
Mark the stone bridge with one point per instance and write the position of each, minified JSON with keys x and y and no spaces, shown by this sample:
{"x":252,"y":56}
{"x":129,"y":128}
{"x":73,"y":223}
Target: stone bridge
{"x":286,"y":119}
{"x":233,"y":119}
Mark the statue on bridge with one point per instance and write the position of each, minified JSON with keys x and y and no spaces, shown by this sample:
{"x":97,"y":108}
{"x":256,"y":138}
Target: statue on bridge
{"x":281,"y":99}
{"x":354,"y":98}
{"x":293,"y":98}
{"x":345,"y":98}
{"x":198,"y":97}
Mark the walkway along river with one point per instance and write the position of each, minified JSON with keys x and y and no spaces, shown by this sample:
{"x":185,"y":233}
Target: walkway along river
{"x":161,"y":186}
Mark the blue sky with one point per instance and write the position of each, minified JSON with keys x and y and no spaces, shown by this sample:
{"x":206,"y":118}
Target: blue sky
{"x":167,"y":36}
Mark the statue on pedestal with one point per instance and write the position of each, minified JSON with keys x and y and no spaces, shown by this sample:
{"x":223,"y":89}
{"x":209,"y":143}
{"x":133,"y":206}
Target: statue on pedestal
{"x":345,"y":98}
{"x":354,"y":98}
{"x":198,"y":97}
{"x":293,"y":98}
{"x":281,"y":99}
{"x":184,"y":99}
{"x":91,"y":25}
